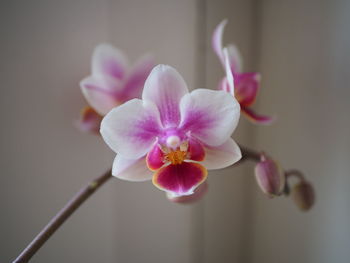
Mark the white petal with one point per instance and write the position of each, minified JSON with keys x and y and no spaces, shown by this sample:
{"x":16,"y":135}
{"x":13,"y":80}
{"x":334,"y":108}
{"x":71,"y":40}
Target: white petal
{"x":131,"y":169}
{"x":132,"y":128}
{"x":209,"y":115}
{"x":108,"y":60}
{"x":217,"y":40}
{"x":101,"y":92}
{"x":221,"y":156}
{"x":165,"y":87}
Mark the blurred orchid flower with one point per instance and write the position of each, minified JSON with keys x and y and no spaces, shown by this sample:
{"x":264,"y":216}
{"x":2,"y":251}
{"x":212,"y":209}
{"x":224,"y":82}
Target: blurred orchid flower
{"x":111,"y":82}
{"x":172,"y":136}
{"x":246,"y":84}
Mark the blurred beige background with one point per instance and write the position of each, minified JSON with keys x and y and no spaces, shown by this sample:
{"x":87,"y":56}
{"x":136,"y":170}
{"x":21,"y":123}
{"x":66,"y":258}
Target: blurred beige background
{"x":301,"y":48}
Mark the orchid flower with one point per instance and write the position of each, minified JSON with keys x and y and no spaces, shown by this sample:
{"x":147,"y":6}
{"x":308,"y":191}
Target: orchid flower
{"x":170,"y":135}
{"x":246,"y":83}
{"x":111,"y":83}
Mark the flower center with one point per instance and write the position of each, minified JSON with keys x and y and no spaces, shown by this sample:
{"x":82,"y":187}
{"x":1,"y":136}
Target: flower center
{"x":176,"y":157}
{"x":173,"y":141}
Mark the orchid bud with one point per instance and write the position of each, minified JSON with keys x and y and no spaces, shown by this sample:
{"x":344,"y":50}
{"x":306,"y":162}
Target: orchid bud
{"x":198,"y":193}
{"x":269,"y":176}
{"x":303,"y":195}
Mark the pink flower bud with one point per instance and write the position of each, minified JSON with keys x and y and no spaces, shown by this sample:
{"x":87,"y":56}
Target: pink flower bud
{"x":303,"y":195}
{"x":269,"y":177}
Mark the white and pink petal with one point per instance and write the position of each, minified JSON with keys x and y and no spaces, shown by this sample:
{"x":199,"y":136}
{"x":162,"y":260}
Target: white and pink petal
{"x":210,"y":116}
{"x":101,"y":92}
{"x":132,"y":128}
{"x":165,"y":87}
{"x":108,"y":60}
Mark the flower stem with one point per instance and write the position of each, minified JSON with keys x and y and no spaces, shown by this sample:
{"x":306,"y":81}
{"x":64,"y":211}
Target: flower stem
{"x":86,"y":192}
{"x":61,"y":217}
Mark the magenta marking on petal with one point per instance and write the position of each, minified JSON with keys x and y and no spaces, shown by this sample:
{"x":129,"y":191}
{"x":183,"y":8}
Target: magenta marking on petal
{"x":257,"y":118}
{"x":155,"y":158}
{"x":196,"y":150}
{"x":146,"y":128}
{"x":198,"y":121}
{"x":180,"y":179}
{"x":246,"y":87}
{"x":110,"y":67}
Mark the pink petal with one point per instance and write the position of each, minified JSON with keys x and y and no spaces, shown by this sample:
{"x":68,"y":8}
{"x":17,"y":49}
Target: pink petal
{"x":131,"y":169}
{"x":101,"y":93}
{"x":165,"y":87}
{"x":155,"y":158}
{"x":198,"y":194}
{"x":131,"y":129}
{"x":108,"y":60}
{"x":247,"y":86}
{"x":210,"y":116}
{"x":254,"y":117}
{"x":196,"y":150}
{"x":235,"y":58}
{"x":217,"y":41}
{"x":90,"y":121}
{"x":180,"y":179}
{"x":136,"y":80}
{"x":221,"y":156}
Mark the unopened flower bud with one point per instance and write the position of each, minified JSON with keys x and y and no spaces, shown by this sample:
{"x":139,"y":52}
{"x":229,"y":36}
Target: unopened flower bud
{"x":198,"y":193}
{"x":269,"y":177}
{"x":303,"y":195}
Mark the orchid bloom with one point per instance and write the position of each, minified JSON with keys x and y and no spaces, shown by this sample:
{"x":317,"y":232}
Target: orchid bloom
{"x":170,"y":135}
{"x":246,"y":83}
{"x":111,"y":83}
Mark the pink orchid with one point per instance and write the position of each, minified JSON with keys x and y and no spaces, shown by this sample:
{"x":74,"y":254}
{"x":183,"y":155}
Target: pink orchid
{"x":246,"y":83}
{"x":112,"y":82}
{"x":172,"y":136}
